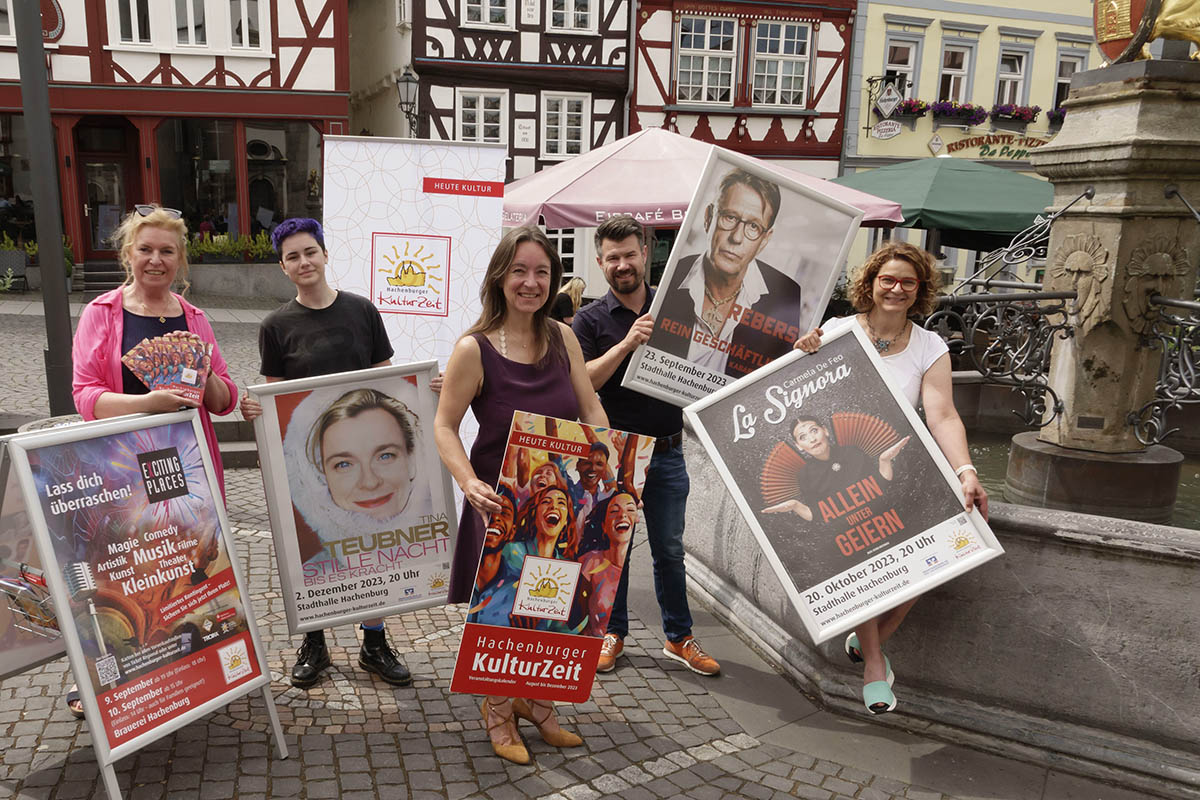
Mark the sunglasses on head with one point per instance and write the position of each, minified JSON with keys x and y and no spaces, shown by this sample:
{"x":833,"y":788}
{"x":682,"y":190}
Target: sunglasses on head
{"x":145,"y":209}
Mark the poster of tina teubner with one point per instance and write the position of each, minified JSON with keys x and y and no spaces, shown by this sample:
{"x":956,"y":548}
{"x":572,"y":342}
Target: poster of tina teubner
{"x":360,"y":505}
{"x":852,"y":501}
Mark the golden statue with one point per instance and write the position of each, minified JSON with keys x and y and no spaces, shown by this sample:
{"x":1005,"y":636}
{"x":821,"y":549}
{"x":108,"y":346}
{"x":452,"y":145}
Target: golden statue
{"x":1162,"y":19}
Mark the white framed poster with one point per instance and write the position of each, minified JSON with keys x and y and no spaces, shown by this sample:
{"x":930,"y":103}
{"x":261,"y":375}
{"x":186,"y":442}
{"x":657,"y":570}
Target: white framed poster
{"x":753,"y":268}
{"x":849,"y":496}
{"x":362,"y":510}
{"x":29,"y":633}
{"x":141,"y":566}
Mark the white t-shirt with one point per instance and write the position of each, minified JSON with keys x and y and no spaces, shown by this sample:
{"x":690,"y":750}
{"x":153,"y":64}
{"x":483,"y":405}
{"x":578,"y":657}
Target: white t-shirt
{"x":909,"y":365}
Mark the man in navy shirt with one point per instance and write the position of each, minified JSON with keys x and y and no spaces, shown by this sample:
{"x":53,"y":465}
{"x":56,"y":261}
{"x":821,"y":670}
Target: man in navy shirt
{"x":609,"y":330}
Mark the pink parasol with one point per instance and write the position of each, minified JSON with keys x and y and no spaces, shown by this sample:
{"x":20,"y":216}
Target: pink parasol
{"x":652,"y":175}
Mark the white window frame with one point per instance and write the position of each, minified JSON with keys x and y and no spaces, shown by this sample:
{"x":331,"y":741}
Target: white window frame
{"x":965,"y":73}
{"x":134,"y":28}
{"x":460,"y":93}
{"x":571,"y":12}
{"x":485,"y":7}
{"x":1080,"y":60}
{"x":781,"y":59}
{"x":558,"y":236}
{"x":189,"y":24}
{"x":263,"y":33}
{"x":1012,"y":87}
{"x":705,"y":54}
{"x":912,"y":71}
{"x":585,"y":126}
{"x":11,"y":36}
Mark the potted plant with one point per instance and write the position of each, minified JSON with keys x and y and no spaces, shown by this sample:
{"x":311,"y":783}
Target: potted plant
{"x":34,"y":274}
{"x":260,"y":249}
{"x":1012,"y":117}
{"x":948,"y":112}
{"x":12,"y":258}
{"x":1055,"y":117}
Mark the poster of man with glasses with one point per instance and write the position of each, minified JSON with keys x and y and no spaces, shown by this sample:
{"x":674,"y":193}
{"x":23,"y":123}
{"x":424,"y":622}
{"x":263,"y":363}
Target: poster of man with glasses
{"x":753,"y":267}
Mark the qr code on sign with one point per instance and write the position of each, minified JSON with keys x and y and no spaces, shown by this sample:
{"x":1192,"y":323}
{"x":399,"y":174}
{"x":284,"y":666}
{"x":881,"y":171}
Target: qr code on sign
{"x":106,"y":669}
{"x":961,"y":520}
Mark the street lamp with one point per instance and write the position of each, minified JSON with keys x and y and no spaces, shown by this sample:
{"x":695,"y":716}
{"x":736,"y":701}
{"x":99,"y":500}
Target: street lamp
{"x":406,"y":88}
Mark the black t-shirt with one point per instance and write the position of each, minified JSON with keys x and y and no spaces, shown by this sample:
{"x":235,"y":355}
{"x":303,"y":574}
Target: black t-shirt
{"x":562,"y":308}
{"x":295,"y":341}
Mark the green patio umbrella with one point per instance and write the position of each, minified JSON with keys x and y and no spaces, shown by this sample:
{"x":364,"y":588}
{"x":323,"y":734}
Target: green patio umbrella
{"x":973,"y":205}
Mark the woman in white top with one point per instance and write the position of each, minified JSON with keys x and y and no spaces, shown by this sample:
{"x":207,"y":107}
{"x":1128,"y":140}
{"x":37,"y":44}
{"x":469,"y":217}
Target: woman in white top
{"x":899,"y":280}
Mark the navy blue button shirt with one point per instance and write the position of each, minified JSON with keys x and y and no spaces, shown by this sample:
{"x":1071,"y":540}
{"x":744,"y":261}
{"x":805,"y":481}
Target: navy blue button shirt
{"x":599,"y":326}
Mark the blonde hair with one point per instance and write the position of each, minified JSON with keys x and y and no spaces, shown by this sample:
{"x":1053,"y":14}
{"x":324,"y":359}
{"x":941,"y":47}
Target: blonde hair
{"x":351,"y":404}
{"x":862,"y":282}
{"x":574,"y":290}
{"x":126,"y":233}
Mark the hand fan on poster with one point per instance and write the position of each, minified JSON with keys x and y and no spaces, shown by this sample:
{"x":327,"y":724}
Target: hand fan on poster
{"x":177,"y":361}
{"x":781,"y":477}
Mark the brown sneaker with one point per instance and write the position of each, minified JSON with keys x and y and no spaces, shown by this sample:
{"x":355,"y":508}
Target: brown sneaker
{"x":690,"y":653}
{"x":612,"y":647}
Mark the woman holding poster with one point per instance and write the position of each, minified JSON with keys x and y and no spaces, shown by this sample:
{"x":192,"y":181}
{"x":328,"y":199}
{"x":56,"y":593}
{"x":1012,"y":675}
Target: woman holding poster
{"x":899,"y":280}
{"x":515,"y":357}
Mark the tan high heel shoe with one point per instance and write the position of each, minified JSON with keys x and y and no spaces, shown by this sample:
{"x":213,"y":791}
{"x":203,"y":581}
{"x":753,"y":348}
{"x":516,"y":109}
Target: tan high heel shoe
{"x":556,"y":738}
{"x":516,"y":753}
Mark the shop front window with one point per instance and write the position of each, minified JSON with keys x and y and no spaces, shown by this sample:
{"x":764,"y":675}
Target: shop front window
{"x":16,"y":181}
{"x":196,"y":172}
{"x":284,"y":166}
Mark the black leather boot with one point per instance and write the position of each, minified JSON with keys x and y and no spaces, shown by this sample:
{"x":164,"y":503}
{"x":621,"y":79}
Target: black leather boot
{"x":376,"y":656}
{"x":311,"y":659}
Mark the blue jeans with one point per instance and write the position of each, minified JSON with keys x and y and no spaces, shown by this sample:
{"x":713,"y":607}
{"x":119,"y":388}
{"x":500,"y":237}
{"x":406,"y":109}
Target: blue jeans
{"x":665,"y":502}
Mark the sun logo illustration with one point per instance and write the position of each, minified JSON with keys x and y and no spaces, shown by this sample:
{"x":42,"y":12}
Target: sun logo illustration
{"x":411,"y":268}
{"x":437,"y":582}
{"x":961,"y":540}
{"x":547,"y":583}
{"x":233,"y":660}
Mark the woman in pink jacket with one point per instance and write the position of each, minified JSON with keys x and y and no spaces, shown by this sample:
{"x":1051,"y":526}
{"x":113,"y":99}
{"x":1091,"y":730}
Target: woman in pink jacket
{"x":154,"y":254}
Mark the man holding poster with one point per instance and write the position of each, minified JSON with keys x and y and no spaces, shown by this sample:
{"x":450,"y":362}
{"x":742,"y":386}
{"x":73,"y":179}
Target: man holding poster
{"x":608,"y":331}
{"x":321,"y":332}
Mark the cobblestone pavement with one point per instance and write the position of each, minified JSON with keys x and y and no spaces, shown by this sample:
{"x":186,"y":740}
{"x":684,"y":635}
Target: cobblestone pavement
{"x":651,"y":729}
{"x":23,"y":371}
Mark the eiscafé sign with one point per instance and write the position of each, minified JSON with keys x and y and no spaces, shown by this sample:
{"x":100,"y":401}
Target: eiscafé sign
{"x":996,"y":145}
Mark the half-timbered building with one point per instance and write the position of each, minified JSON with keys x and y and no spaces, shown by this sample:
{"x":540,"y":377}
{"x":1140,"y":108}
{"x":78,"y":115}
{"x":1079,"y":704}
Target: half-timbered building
{"x":547,"y":78}
{"x":762,"y":77}
{"x":214,"y":107}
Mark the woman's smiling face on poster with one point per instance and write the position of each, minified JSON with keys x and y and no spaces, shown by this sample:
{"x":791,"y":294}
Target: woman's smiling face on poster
{"x":812,"y":439}
{"x":366,"y":465}
{"x":619,"y":520}
{"x":552,"y":513}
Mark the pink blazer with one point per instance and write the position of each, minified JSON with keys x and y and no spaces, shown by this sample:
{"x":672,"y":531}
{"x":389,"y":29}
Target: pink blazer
{"x":96,"y":352}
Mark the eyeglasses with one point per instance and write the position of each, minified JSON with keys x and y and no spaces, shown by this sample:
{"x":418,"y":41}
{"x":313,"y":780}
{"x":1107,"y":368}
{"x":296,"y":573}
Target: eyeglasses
{"x":145,"y":209}
{"x":727,"y":221}
{"x":889,"y":282}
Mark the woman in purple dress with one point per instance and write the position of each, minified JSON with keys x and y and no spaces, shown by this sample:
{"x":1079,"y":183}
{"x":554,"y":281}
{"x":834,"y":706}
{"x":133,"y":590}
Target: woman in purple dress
{"x":515,"y":357}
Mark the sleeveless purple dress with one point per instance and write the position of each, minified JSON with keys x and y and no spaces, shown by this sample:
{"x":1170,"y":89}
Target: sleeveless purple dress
{"x":508,"y":386}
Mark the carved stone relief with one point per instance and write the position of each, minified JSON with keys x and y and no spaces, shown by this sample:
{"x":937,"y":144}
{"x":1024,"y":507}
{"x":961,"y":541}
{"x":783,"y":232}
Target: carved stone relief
{"x":1083,"y":260}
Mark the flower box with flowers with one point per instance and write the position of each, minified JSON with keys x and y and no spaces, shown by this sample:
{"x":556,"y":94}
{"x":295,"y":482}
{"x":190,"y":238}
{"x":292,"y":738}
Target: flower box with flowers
{"x":1055,"y":117}
{"x":948,"y":112}
{"x":908,"y":111}
{"x":1008,"y":116}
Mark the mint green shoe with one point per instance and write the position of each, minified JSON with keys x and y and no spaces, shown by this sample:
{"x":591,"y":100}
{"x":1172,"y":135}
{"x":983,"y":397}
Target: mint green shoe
{"x":878,"y":697}
{"x":855,"y":654}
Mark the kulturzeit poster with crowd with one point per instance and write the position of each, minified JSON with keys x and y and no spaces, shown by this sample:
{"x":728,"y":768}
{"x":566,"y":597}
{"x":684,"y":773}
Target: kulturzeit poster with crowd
{"x":552,"y":559}
{"x":361,"y":508}
{"x":852,"y":501}
{"x":150,"y":597}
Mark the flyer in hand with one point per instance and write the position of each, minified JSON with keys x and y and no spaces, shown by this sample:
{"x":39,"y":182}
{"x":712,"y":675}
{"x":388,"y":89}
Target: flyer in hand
{"x":177,"y":361}
{"x":848,"y":494}
{"x":552,"y":559}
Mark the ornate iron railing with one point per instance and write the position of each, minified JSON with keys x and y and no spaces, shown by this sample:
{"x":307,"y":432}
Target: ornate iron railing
{"x":1007,"y":338}
{"x":1176,"y":331}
